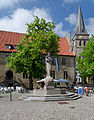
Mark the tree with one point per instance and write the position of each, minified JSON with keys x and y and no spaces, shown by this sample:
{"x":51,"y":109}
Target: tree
{"x":85,"y":65}
{"x":40,"y":38}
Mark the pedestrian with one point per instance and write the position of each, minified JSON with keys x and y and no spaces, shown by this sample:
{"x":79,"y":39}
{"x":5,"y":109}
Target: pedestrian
{"x":80,"y":91}
{"x":54,"y":83}
{"x":87,"y":91}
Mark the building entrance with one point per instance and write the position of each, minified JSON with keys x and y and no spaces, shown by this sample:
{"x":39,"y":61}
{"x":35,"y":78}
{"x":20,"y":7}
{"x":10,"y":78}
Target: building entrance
{"x":9,"y":75}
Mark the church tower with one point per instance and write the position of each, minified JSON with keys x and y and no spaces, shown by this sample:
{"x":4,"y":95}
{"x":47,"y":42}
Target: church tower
{"x":81,"y":36}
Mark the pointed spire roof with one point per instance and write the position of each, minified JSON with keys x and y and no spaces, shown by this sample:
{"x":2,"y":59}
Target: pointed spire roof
{"x":80,"y":27}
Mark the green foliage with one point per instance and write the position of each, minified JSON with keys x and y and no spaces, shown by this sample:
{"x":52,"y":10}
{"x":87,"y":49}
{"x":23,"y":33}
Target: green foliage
{"x":40,"y":38}
{"x":86,"y":63}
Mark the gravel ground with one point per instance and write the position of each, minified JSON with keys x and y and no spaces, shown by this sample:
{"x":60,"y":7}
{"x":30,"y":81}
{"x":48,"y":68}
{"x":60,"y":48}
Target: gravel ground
{"x":81,"y":109}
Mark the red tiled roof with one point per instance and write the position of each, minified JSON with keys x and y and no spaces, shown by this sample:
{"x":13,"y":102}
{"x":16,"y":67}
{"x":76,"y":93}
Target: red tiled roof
{"x":64,"y":47}
{"x":9,"y":38}
{"x":12,"y":38}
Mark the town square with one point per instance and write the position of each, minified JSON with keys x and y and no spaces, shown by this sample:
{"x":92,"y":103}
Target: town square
{"x":46,"y":60}
{"x":81,"y":109}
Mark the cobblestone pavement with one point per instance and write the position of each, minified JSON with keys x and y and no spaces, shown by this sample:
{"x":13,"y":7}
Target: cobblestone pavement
{"x":82,"y":109}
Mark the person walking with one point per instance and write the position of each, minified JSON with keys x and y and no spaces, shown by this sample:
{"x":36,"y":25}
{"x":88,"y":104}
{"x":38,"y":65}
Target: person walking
{"x":87,"y":91}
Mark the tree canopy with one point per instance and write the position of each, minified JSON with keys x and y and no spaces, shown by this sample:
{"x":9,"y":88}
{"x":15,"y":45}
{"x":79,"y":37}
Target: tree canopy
{"x":40,"y":39}
{"x":85,"y":64}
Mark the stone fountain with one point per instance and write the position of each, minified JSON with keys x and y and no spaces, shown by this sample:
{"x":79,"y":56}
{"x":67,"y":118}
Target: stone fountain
{"x":48,"y":93}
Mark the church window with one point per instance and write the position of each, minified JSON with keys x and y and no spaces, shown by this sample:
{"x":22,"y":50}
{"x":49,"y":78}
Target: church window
{"x":65,"y":74}
{"x":80,"y":43}
{"x":84,"y":42}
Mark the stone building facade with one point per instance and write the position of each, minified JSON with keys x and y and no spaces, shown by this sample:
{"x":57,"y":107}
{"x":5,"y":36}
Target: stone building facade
{"x":8,"y":43}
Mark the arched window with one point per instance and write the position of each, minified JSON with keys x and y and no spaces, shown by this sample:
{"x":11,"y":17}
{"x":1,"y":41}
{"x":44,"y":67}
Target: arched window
{"x":84,"y":43}
{"x":80,"y":43}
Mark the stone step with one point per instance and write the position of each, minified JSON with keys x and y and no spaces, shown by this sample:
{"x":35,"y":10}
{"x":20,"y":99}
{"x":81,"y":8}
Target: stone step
{"x":55,"y":95}
{"x":68,"y":94}
{"x":75,"y":98}
{"x":46,"y":99}
{"x":51,"y":98}
{"x":54,"y":98}
{"x":72,"y":96}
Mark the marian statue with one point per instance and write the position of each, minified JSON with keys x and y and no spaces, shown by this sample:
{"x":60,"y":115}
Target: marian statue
{"x":48,"y":61}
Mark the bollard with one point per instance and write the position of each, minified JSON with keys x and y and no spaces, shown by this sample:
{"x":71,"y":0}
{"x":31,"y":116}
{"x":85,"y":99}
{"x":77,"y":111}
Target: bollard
{"x":10,"y":94}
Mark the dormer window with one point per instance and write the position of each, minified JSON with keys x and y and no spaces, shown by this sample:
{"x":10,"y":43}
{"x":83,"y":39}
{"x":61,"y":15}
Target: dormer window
{"x":8,"y":47}
{"x":15,"y":46}
{"x":11,"y":47}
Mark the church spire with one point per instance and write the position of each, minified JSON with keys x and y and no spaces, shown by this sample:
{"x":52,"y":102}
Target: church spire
{"x":80,"y":27}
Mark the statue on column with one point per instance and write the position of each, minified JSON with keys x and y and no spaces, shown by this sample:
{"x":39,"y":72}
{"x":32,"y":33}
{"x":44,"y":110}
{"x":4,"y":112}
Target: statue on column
{"x":48,"y":61}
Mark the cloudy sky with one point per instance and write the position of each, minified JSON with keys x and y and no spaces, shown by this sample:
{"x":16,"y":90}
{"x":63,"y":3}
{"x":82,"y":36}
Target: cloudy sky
{"x":14,"y":14}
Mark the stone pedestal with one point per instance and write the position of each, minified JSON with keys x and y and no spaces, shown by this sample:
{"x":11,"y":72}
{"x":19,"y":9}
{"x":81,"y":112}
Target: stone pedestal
{"x":51,"y":94}
{"x":49,"y":90}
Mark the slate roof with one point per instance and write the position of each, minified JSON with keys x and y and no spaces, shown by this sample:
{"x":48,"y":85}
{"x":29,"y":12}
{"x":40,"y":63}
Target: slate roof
{"x":12,"y":38}
{"x":80,"y":27}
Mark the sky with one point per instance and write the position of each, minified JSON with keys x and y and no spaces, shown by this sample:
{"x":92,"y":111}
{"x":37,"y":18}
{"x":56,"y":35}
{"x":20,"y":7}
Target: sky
{"x":15,"y":14}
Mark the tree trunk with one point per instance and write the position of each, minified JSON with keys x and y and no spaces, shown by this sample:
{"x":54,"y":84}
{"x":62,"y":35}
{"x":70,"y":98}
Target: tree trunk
{"x":30,"y":82}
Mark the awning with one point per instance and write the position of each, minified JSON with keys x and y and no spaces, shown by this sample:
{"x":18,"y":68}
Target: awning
{"x":48,"y":78}
{"x":61,"y":80}
{"x":42,"y":80}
